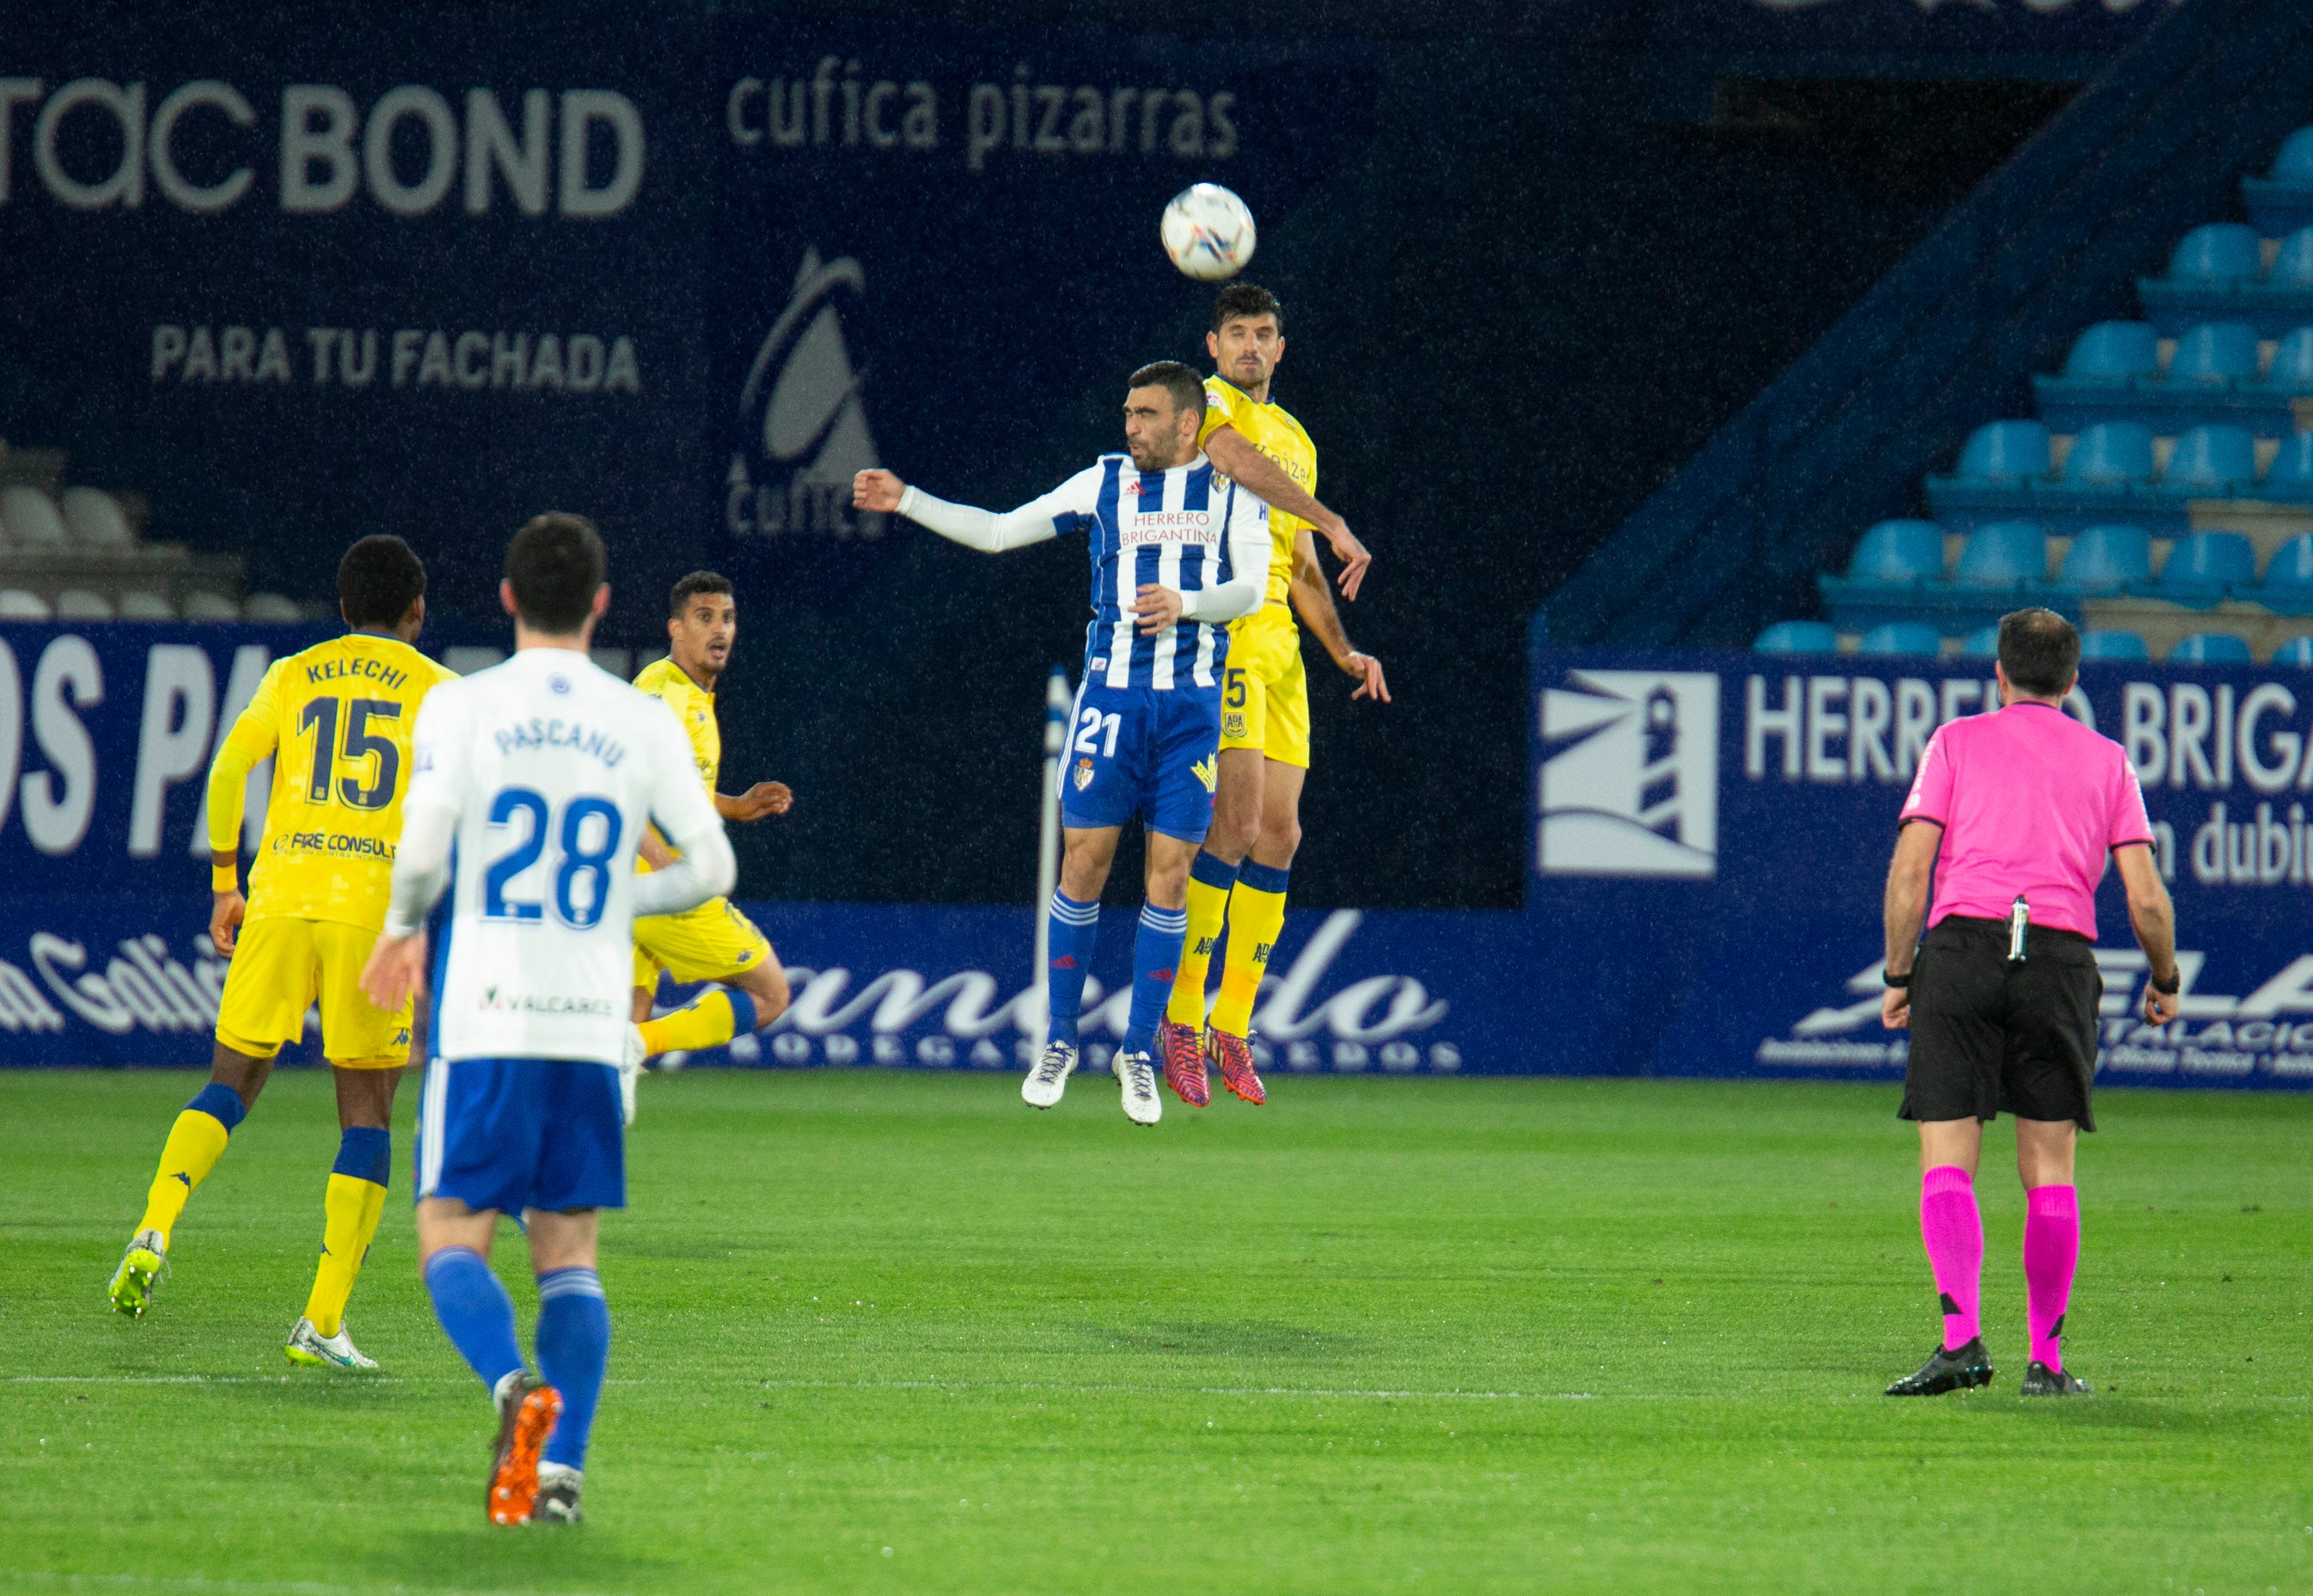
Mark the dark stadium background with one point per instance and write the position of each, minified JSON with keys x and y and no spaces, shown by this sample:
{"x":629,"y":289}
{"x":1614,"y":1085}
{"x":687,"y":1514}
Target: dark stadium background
{"x":1500,"y":354}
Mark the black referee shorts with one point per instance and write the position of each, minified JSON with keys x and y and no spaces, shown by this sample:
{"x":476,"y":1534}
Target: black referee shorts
{"x":1988,"y":1035}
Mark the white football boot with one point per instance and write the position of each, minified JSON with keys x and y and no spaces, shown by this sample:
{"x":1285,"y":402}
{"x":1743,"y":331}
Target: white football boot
{"x":631,"y":1070}
{"x":1050,"y":1078}
{"x":1138,"y":1078}
{"x":309,"y":1346}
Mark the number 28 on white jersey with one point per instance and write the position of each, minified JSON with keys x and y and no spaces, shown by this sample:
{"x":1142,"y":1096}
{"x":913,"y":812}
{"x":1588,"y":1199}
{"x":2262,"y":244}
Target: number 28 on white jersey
{"x":548,"y":769}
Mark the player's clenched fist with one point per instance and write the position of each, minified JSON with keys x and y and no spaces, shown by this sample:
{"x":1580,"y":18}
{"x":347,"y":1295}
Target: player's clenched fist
{"x":764,"y":798}
{"x":876,"y":490}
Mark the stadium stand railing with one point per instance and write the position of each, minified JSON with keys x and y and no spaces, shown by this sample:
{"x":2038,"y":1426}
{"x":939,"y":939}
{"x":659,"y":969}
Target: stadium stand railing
{"x":2179,"y":418}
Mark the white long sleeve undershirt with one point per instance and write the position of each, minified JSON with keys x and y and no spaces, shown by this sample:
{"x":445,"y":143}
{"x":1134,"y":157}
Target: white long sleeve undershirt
{"x":1031,"y":523}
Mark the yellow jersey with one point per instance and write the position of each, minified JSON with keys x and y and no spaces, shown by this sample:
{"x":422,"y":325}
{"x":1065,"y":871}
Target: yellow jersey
{"x":336,"y":721}
{"x":1269,"y":428}
{"x":694,"y":707}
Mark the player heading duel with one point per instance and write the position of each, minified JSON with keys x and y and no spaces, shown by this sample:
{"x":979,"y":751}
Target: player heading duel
{"x":1242,"y":872}
{"x":1177,"y":550}
{"x":336,"y":721}
{"x":542,"y":771}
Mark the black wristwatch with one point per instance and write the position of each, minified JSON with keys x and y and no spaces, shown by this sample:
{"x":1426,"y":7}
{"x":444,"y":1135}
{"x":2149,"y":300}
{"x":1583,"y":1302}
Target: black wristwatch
{"x":1903,"y":980}
{"x":2174,"y":983}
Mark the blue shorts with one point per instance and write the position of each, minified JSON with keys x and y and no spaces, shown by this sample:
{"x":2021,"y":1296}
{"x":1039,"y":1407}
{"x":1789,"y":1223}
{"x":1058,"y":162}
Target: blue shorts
{"x":1138,"y":751}
{"x":512,"y":1133}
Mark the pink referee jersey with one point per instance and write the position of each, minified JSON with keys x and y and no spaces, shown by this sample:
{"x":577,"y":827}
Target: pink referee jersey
{"x":2030,"y":800}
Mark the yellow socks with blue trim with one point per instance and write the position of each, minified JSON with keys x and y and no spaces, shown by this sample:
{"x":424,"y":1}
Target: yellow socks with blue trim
{"x":709,"y":1021}
{"x":1256,"y":916}
{"x":355,"y":1201}
{"x":1209,"y":882}
{"x":196,"y":1142}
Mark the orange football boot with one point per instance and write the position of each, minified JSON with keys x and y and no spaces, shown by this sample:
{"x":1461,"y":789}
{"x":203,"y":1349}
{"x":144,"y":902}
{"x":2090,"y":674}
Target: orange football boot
{"x":1184,"y":1063}
{"x":1234,"y":1054}
{"x":524,"y":1426}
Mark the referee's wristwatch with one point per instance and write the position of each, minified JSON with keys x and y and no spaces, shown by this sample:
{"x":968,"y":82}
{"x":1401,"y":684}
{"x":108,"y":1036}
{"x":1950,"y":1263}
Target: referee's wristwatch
{"x":2171,"y":986}
{"x":1903,"y":980}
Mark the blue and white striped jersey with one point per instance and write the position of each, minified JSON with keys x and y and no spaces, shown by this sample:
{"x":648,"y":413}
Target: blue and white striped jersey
{"x":1189,"y":529}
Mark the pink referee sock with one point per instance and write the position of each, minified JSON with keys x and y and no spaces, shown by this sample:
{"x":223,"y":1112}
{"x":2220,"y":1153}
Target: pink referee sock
{"x":2052,"y":1250}
{"x":1953,"y":1230}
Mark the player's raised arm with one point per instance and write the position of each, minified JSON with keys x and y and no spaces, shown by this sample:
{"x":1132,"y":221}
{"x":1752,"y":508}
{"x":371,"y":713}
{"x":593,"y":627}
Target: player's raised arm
{"x":1313,"y":600}
{"x":1041,"y":518}
{"x":1227,"y":448}
{"x":252,"y":739}
{"x":703,"y":867}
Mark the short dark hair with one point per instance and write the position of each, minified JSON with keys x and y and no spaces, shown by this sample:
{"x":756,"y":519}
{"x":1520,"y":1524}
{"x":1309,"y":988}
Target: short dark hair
{"x":379,"y":580}
{"x":2039,"y":651}
{"x":1245,"y":299}
{"x":555,"y":562}
{"x":691,"y":586}
{"x":1187,"y":389}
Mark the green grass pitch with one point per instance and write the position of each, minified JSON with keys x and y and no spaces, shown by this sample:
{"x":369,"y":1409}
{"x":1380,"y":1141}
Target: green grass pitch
{"x":895,"y":1332}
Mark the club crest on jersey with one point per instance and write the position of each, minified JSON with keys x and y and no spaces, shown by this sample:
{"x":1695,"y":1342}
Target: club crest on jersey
{"x":1232,"y":723}
{"x":1084,"y":774}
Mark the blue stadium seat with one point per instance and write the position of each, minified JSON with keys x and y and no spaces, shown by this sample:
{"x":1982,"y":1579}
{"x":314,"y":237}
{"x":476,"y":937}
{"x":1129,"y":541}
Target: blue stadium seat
{"x":2113,"y":352}
{"x":2294,"y":163}
{"x":2107,"y":559}
{"x":2005,"y":451}
{"x":2113,"y":452}
{"x":2288,"y":585}
{"x":2005,"y":554}
{"x":2212,"y":648}
{"x":2293,"y":363}
{"x":2293,"y":267}
{"x":2219,"y":252}
{"x":1899,"y":553}
{"x":2290,"y":475}
{"x":1798,"y":636}
{"x":1983,"y":644}
{"x":2297,"y":651}
{"x":2215,"y":352}
{"x":1901,"y":637}
{"x":2105,"y":645}
{"x":2212,"y":459}
{"x":2202,"y":568}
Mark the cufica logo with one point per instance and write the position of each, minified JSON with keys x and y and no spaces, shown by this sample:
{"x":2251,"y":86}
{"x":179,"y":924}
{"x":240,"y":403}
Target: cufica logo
{"x":1629,"y":783}
{"x":802,"y":419}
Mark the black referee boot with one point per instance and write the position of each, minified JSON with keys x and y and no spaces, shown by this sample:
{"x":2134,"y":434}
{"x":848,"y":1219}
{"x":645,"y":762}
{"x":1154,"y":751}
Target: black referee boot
{"x":2041,"y":1381}
{"x":1955,"y":1369}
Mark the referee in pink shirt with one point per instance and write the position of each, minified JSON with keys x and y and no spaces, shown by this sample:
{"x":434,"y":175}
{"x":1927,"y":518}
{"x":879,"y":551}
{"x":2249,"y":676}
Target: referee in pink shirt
{"x":2011,"y":814}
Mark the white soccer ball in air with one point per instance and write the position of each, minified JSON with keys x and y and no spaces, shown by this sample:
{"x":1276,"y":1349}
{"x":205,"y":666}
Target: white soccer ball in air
{"x":1208,"y":231}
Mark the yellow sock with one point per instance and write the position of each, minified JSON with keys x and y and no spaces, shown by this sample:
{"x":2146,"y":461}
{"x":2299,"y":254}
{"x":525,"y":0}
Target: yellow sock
{"x":196,"y":1142}
{"x":1209,"y":882}
{"x":1256,"y":914}
{"x":353,"y":1206}
{"x":712,"y":1020}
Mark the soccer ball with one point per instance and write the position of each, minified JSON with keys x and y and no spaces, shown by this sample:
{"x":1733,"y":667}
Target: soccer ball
{"x":1208,"y":231}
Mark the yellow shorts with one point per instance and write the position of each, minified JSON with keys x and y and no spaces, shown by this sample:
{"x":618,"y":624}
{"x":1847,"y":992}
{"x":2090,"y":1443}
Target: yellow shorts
{"x":1265,"y":692}
{"x":281,"y":967}
{"x":712,"y":943}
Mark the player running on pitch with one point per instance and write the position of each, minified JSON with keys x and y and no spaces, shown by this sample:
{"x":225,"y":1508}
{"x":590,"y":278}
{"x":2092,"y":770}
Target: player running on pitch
{"x":1264,"y":755}
{"x":537,"y":778}
{"x":714,"y":942}
{"x":1178,"y":549}
{"x":336,"y":720}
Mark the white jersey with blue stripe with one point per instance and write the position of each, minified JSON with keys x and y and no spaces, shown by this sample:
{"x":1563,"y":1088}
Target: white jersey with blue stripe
{"x":1170,"y":528}
{"x":1189,"y":529}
